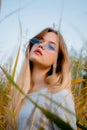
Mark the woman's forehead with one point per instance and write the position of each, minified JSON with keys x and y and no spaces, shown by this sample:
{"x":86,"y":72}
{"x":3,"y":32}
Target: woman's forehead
{"x":51,"y":36}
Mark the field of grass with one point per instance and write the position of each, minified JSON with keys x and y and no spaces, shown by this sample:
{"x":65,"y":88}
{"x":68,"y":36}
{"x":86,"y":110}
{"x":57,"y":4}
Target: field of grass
{"x":79,"y":89}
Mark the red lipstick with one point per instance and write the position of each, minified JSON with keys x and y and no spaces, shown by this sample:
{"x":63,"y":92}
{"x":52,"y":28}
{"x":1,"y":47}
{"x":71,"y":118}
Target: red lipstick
{"x":37,"y":51}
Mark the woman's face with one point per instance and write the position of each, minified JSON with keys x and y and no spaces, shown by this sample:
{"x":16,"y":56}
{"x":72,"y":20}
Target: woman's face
{"x":42,"y":54}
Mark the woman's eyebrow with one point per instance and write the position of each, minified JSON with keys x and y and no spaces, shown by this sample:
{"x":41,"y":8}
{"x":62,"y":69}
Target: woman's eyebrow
{"x":52,"y":42}
{"x":49,"y":41}
{"x":42,"y":38}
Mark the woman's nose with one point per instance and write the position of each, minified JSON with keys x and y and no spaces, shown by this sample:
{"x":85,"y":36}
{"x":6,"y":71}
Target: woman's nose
{"x":41,"y":45}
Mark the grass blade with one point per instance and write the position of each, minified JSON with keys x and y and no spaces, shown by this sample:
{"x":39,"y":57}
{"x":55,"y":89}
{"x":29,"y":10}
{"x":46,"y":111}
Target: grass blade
{"x":10,"y":14}
{"x":0,"y":4}
{"x":76,"y":81}
{"x":16,"y":62}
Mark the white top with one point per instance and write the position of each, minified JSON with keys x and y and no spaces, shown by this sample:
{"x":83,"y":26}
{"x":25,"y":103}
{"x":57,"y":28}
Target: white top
{"x":31,"y":118}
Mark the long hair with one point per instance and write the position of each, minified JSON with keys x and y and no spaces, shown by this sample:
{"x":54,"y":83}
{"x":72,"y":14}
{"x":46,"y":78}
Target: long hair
{"x":58,"y":76}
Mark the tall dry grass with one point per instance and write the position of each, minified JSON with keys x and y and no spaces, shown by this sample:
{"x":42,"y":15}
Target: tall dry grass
{"x":79,"y":86}
{"x":79,"y":89}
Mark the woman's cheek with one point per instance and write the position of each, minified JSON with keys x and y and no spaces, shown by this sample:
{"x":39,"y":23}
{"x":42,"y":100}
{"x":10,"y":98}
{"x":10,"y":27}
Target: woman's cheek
{"x":50,"y":59}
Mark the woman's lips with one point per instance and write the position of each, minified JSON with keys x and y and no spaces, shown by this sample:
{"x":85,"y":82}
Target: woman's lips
{"x":38,"y":52}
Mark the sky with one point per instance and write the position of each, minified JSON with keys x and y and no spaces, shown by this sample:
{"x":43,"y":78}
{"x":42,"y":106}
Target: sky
{"x":20,"y":20}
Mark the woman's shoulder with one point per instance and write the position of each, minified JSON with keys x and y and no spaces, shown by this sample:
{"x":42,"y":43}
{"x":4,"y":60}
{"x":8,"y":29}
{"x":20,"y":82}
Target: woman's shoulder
{"x":63,"y":94}
{"x":65,"y":98}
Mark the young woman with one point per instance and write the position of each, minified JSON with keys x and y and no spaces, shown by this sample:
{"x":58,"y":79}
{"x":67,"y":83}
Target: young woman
{"x":46,"y":70}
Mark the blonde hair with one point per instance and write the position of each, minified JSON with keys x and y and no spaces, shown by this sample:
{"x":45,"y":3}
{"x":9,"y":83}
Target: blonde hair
{"x":57,"y":81}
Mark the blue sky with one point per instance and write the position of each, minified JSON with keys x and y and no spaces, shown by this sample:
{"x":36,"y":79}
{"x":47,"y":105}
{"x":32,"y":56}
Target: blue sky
{"x":35,"y":16}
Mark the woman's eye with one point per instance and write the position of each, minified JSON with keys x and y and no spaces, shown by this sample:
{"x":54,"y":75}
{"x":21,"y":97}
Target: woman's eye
{"x":52,"y":44}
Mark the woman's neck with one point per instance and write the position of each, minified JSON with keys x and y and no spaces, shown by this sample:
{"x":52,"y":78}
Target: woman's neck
{"x":38,"y":78}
